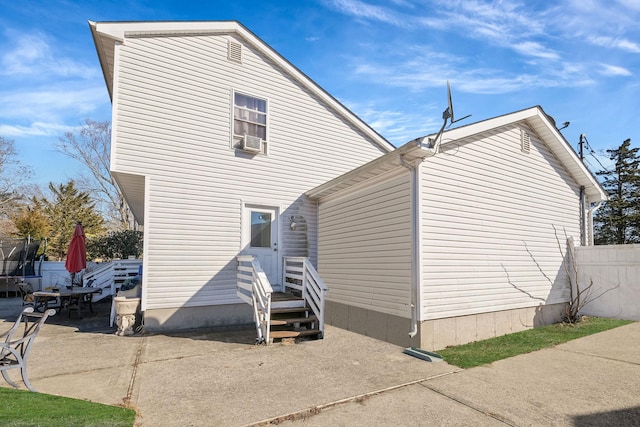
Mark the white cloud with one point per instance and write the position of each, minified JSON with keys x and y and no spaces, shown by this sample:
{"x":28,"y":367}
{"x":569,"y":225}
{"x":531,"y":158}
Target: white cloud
{"x":364,"y":10}
{"x":630,"y":4}
{"x":613,"y":70}
{"x":35,"y":129}
{"x":501,"y":22}
{"x":404,"y":3}
{"x":612,"y":24}
{"x":617,"y":43}
{"x":399,"y":127}
{"x":535,"y":49}
{"x":26,"y":50}
{"x":49,"y":104}
{"x":427,"y":70}
{"x":505,"y":24}
{"x":628,"y":45}
{"x":31,"y":54}
{"x":591,"y":16}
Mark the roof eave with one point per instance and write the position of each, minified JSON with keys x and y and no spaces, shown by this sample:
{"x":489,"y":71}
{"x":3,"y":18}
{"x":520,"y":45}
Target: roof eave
{"x":106,"y":73}
{"x":413,"y":151}
{"x":541,"y":123}
{"x":567,"y":155}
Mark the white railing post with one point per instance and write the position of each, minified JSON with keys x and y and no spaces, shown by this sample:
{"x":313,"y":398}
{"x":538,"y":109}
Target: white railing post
{"x":304,"y":280}
{"x":284,"y":274}
{"x":315,"y":291}
{"x":253,"y":287}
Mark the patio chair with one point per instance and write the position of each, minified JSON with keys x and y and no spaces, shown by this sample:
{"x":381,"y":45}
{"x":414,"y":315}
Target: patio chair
{"x":26,"y":293}
{"x":14,"y":351}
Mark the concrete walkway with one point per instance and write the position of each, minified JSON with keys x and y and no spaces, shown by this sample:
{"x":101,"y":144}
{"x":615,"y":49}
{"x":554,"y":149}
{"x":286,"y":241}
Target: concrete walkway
{"x":220,"y":378}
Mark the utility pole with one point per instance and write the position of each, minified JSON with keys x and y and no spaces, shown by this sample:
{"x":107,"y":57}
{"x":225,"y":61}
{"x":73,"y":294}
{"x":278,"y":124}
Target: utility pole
{"x":583,"y":207}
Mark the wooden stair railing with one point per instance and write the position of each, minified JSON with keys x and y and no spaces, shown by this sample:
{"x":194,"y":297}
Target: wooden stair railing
{"x":279,"y":315}
{"x":300,"y":276}
{"x":253,"y":287}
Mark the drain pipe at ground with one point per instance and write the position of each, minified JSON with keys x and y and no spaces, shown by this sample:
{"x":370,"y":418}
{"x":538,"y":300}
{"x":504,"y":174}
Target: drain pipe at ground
{"x":414,"y":170}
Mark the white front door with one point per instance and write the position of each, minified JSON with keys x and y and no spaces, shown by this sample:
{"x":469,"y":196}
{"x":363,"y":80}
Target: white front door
{"x":260,"y":236}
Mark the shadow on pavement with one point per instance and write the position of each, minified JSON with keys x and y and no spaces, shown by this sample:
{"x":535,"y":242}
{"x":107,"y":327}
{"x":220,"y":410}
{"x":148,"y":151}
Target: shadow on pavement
{"x":622,"y":417}
{"x":98,"y":323}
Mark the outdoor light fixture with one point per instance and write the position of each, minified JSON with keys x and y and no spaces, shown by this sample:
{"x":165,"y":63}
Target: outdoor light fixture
{"x":292,"y":223}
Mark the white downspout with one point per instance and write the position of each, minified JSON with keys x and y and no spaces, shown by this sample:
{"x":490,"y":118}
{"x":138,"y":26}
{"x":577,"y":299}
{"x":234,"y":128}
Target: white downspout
{"x":590,"y":214}
{"x":416,"y":263}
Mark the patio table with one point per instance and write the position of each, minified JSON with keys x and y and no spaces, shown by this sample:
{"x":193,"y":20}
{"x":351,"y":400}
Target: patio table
{"x":70,"y":299}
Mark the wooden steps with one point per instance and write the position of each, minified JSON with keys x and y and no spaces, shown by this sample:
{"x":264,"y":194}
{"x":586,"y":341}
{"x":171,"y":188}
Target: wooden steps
{"x":288,"y":310}
{"x":293,"y":334}
{"x":292,"y":318}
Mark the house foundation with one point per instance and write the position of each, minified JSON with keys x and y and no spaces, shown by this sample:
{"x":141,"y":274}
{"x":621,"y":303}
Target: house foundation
{"x":211,"y":316}
{"x":440,"y":333}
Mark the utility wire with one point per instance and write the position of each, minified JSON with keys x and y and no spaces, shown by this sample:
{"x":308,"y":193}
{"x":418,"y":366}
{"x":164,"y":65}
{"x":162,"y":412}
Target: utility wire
{"x":593,"y":154}
{"x":597,"y":160}
{"x":588,"y":163}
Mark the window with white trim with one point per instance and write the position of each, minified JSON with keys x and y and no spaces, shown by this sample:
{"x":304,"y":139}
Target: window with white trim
{"x":249,"y":116}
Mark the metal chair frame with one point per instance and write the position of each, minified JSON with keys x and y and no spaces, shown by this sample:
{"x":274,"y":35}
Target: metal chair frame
{"x":14,"y":351}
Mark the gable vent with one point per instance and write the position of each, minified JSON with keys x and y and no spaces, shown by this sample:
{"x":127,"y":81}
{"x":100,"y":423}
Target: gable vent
{"x":235,"y":51}
{"x":525,"y":141}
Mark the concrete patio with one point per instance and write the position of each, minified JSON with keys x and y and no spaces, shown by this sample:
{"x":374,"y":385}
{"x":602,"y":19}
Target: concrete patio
{"x":205,"y":378}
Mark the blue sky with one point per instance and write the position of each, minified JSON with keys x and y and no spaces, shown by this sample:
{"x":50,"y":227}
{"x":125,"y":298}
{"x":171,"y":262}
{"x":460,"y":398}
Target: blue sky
{"x":388,"y":61}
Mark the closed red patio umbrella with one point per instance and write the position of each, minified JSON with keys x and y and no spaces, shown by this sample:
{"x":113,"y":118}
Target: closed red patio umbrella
{"x":77,"y":253}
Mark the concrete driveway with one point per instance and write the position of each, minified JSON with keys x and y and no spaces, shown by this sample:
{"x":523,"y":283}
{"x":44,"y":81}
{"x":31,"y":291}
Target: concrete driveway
{"x":220,"y":378}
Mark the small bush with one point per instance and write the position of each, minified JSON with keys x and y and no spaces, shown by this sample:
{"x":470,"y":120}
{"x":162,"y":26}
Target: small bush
{"x":118,"y":244}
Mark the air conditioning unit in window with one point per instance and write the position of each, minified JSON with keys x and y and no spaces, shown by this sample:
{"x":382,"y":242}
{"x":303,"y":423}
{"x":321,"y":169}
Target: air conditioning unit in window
{"x":251,"y":144}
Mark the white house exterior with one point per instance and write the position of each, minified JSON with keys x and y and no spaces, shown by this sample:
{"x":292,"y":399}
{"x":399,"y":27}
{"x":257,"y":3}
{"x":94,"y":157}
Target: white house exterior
{"x":184,"y":96}
{"x":223,"y":148}
{"x":431,"y":248}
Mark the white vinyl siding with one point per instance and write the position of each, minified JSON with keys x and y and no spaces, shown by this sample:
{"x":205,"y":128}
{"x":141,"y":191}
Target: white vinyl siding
{"x":173,"y":127}
{"x":364,"y":253}
{"x":489,"y":212}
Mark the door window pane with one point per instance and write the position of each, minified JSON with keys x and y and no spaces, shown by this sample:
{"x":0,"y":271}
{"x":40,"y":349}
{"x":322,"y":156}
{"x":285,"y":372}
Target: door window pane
{"x":260,"y":229}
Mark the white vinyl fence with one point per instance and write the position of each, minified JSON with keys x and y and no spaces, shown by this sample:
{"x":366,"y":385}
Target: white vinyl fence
{"x":615,"y":272}
{"x":55,"y":275}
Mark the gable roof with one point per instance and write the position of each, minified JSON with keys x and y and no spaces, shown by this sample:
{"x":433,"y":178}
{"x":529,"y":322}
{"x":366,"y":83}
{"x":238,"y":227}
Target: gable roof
{"x":107,"y":34}
{"x":535,"y":117}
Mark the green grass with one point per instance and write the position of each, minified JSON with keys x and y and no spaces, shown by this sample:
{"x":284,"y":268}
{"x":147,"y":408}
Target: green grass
{"x":488,"y":351}
{"x":21,"y":408}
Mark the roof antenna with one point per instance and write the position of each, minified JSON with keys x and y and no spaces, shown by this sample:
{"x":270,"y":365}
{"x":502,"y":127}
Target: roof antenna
{"x":446,"y":115}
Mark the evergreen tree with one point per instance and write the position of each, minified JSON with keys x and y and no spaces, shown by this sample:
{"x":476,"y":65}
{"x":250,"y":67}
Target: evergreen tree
{"x":67,"y":207}
{"x":31,"y":220}
{"x":618,"y":220}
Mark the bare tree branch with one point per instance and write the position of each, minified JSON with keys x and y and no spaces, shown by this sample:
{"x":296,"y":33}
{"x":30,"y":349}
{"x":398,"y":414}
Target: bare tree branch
{"x":91,"y":146}
{"x":579,"y":295}
{"x":518,"y":288}
{"x":12,"y":177}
